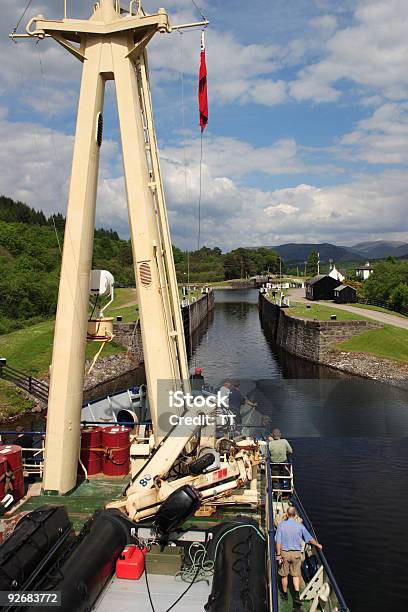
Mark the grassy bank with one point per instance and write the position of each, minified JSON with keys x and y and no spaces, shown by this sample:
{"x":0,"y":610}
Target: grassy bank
{"x":379,"y":309}
{"x":12,"y":401}
{"x":124,"y":305}
{"x":30,"y":349}
{"x":318,"y":312}
{"x":388,"y":342}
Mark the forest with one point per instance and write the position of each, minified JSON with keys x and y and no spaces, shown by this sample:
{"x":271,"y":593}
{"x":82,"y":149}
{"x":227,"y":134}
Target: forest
{"x":30,"y":259}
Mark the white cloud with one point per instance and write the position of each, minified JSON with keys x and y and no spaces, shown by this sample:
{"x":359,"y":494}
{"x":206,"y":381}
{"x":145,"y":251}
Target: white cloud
{"x":233,"y":214}
{"x":325,"y":24}
{"x":371,"y":53}
{"x":381,"y":138}
{"x":234,"y":158}
{"x":37,"y":165}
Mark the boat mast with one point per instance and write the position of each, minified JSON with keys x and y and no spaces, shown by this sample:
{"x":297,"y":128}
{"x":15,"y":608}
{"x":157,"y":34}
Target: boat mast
{"x":111,"y":47}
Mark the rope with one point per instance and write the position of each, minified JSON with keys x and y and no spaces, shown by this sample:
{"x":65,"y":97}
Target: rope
{"x":57,"y":158}
{"x":185,"y":175}
{"x":200,"y":192}
{"x":22,"y":16}
{"x":109,"y":338}
{"x":199,"y":10}
{"x":199,"y":568}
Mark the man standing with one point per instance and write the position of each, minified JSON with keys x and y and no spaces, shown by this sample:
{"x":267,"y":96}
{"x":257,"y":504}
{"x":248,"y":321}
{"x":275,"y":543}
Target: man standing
{"x":290,"y":535}
{"x":197,"y":380}
{"x":279,"y":447}
{"x":225,"y":391}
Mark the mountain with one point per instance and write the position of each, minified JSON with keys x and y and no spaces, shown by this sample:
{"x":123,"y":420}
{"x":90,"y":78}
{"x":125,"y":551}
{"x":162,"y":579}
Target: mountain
{"x":293,"y":253}
{"x":377,"y":249}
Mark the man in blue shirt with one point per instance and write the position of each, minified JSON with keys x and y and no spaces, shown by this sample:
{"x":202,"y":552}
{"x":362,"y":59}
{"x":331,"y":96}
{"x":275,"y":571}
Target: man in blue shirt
{"x":290,"y":536}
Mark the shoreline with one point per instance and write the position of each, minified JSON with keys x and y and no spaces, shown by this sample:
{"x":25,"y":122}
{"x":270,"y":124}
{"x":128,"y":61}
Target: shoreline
{"x":368,"y":366}
{"x":315,"y":341}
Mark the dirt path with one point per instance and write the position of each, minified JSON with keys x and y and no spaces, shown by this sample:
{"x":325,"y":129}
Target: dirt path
{"x":125,"y":305}
{"x":298,"y":295}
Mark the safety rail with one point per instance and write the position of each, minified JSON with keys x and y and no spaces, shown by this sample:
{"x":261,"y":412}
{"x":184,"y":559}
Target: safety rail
{"x":36,"y":388}
{"x":306,"y":521}
{"x":284,"y":477}
{"x":382,"y":304}
{"x":273,"y":573}
{"x":40,"y":389}
{"x":32,"y":456}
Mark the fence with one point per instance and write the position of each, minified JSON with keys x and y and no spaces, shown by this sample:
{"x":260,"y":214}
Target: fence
{"x":382,"y":304}
{"x":37,"y":388}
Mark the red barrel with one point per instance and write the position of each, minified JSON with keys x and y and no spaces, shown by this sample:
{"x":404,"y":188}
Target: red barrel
{"x":13,"y":455}
{"x":3,"y":470}
{"x":91,"y":438}
{"x":115,"y":441}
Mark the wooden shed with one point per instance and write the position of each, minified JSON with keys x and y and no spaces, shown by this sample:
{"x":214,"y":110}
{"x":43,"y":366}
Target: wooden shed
{"x":321,"y":287}
{"x":344,"y":294}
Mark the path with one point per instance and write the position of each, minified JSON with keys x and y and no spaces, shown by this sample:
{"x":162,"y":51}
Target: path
{"x":298,"y":295}
{"x":125,"y":305}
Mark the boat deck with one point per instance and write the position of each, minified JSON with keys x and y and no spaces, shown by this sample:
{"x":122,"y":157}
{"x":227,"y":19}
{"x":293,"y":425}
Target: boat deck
{"x":165,"y":588}
{"x":124,"y":595}
{"x":83,"y":501}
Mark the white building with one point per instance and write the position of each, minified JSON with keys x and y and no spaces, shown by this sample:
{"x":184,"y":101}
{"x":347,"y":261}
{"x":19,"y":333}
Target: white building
{"x":334,"y":273}
{"x":364,"y":272}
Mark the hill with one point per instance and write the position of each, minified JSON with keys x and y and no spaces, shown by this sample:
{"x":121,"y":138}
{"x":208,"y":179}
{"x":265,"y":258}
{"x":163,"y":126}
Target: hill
{"x":378,"y":249}
{"x":293,"y":253}
{"x":30,"y":262}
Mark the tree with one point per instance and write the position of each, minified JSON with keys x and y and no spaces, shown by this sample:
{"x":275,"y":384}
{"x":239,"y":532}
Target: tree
{"x":385,"y":279}
{"x":312,"y":262}
{"x":399,"y":296}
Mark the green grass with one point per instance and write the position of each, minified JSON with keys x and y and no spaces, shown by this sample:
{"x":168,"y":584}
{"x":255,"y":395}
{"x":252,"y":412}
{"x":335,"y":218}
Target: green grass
{"x":84,"y":500}
{"x":30,"y":349}
{"x":317,"y":312}
{"x":124,"y":296}
{"x":379,"y":309}
{"x":12,"y":401}
{"x":129,"y":314}
{"x":387,"y":341}
{"x":121,"y":306}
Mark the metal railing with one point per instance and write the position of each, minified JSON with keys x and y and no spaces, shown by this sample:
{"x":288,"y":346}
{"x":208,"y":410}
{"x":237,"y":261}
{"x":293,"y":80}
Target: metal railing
{"x":323,"y":561}
{"x":286,"y":476}
{"x":36,"y":388}
{"x":382,"y":304}
{"x":32,"y":456}
{"x":273,"y":578}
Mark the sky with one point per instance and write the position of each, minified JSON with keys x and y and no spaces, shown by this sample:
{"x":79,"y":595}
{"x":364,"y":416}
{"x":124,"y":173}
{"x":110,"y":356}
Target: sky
{"x":307,"y":139}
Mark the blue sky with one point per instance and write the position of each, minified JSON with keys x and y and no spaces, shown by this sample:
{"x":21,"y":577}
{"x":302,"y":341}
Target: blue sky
{"x":308,"y":131}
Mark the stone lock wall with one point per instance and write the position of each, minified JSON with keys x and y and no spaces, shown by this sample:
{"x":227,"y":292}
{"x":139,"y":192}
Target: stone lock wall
{"x":130,"y":335}
{"x":311,"y":340}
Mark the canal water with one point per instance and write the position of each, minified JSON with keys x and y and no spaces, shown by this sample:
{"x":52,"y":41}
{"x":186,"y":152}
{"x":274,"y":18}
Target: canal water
{"x":350,"y":448}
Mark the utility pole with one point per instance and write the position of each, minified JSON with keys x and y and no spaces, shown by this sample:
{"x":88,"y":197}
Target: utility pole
{"x":305,"y":268}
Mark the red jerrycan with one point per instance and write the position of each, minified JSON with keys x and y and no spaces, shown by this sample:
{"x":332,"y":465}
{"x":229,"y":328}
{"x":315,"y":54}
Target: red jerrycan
{"x":131,"y":561}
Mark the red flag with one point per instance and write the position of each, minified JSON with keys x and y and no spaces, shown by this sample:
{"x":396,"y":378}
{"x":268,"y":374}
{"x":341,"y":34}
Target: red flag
{"x":202,"y":88}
